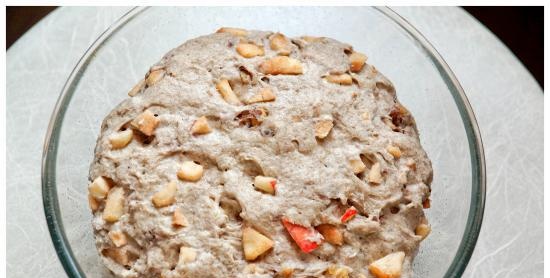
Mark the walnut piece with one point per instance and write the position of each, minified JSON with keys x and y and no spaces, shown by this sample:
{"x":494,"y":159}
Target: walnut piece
{"x":251,"y":117}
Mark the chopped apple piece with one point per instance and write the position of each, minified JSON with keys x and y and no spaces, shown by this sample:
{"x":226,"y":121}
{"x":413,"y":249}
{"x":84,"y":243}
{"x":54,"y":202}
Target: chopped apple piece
{"x":280,"y":43}
{"x":423,"y":230}
{"x":187,"y":255}
{"x":119,"y":255}
{"x":341,"y":79}
{"x":190,"y":171}
{"x":357,"y":166}
{"x":146,"y":122}
{"x":94,"y":204}
{"x":224,"y":88}
{"x":265,"y":184}
{"x":337,"y":272}
{"x":389,"y":266}
{"x":286,"y":272}
{"x":303,"y":236}
{"x":357,"y":60}
{"x":178,"y":219}
{"x":121,"y":139}
{"x":394,"y":151}
{"x":114,"y":206}
{"x":331,"y":234}
{"x":349,"y":214}
{"x":154,"y":76}
{"x":375,"y":176}
{"x":99,"y":188}
{"x":166,"y":196}
{"x":137,"y":88}
{"x":118,"y":238}
{"x":200,"y":126}
{"x":249,"y":50}
{"x":281,"y":65}
{"x":233,"y":31}
{"x":322,"y":128}
{"x":255,"y":244}
{"x":426,"y":203}
{"x":264,"y":95}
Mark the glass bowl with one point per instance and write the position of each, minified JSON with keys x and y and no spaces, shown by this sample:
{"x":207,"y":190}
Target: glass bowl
{"x":424,"y":83}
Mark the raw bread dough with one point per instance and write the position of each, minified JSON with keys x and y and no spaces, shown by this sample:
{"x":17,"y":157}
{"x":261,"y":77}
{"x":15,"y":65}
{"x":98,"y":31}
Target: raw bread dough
{"x":315,"y":181}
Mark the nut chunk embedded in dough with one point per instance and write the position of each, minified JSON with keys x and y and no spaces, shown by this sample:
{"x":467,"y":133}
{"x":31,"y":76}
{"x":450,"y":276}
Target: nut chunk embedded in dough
{"x":280,"y":43}
{"x":342,"y":79}
{"x":99,"y":188}
{"x":281,"y":65}
{"x":200,"y":126}
{"x":224,"y":88}
{"x":357,"y":60}
{"x":146,"y":122}
{"x":389,"y":266}
{"x":118,"y":238}
{"x":114,"y":206}
{"x":178,"y":219}
{"x":187,"y":255}
{"x":255,"y":244}
{"x":423,"y":230}
{"x":331,"y":234}
{"x":337,"y":272}
{"x":166,"y":196}
{"x":264,"y":95}
{"x":190,"y":171}
{"x":303,"y":236}
{"x":323,"y":128}
{"x":121,"y":139}
{"x":249,"y":50}
{"x":233,"y":31}
{"x":265,"y":184}
{"x":357,"y":166}
{"x":375,"y":176}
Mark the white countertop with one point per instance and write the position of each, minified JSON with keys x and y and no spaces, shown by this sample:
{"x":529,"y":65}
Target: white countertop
{"x":507,"y":101}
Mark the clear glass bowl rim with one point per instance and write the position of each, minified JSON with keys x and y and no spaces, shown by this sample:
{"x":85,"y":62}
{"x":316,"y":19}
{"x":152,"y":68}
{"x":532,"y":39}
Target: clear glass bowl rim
{"x":49,"y":155}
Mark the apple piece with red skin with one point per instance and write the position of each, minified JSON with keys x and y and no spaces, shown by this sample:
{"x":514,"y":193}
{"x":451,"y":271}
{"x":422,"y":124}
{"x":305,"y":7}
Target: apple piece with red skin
{"x":349,"y":214}
{"x":302,"y":236}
